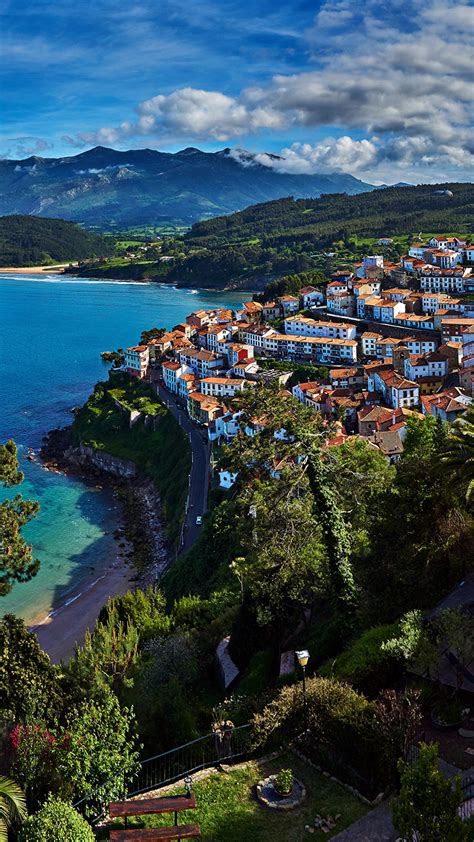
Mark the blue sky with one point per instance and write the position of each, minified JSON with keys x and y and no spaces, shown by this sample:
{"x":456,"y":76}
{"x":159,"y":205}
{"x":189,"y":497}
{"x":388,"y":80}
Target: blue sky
{"x":380,"y":89}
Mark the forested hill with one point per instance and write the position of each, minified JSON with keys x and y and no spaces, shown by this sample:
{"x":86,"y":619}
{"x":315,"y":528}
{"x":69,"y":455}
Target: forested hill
{"x":29,"y":240}
{"x":389,"y":211}
{"x":287,"y":236}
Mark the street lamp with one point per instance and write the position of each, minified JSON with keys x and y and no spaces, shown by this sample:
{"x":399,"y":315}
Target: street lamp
{"x":303,"y":657}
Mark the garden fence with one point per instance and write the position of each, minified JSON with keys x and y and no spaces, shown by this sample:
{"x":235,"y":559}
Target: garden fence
{"x":165,"y":768}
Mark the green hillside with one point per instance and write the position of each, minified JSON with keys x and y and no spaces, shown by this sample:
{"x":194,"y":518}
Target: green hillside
{"x":29,"y":241}
{"x":287,"y":236}
{"x":388,"y":211}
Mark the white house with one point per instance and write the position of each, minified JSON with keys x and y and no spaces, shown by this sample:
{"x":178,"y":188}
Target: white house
{"x":137,"y":360}
{"x":222,"y":387}
{"x":289,"y":304}
{"x":171,"y":369}
{"x":439,"y":280}
{"x":203,"y":363}
{"x":303,"y":326}
{"x":396,"y":390}
{"x":426,"y":365}
{"x":310,"y":297}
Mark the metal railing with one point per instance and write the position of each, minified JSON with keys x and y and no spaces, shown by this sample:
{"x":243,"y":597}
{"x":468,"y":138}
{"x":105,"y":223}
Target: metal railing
{"x":163,"y":769}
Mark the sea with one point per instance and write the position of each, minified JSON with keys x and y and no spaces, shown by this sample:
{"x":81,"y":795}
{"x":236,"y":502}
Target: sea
{"x":52,"y":330}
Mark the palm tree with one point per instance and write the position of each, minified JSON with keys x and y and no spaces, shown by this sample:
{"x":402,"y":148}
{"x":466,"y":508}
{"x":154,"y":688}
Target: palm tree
{"x":459,"y":453}
{"x":12,"y":806}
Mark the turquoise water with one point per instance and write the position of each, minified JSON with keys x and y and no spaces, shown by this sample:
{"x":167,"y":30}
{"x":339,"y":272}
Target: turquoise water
{"x":52,"y":331}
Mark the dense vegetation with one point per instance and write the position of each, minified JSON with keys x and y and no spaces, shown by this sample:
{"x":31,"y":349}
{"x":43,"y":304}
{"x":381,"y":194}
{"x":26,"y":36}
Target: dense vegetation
{"x":327,"y":548}
{"x":289,"y":236}
{"x":32,"y":241}
{"x":160,"y":451}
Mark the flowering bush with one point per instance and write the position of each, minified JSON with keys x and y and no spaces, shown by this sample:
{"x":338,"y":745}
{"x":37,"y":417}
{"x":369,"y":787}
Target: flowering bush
{"x":32,"y":759}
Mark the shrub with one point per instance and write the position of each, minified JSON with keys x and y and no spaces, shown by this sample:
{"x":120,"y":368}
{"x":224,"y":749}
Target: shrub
{"x":365,"y":664}
{"x":427,"y":807}
{"x":343,"y":732}
{"x":56,"y":821}
{"x":32,"y":763}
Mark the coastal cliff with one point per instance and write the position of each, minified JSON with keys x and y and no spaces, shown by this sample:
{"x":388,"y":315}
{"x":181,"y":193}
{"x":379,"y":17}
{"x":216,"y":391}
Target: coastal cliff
{"x":86,"y":457}
{"x":148,"y":464}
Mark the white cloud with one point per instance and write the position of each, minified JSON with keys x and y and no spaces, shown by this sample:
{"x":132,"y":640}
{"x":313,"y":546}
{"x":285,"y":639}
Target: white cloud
{"x":333,"y":155}
{"x":398,"y":71}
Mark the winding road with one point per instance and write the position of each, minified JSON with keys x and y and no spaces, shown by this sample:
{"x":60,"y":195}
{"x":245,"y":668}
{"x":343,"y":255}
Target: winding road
{"x":199,"y":476}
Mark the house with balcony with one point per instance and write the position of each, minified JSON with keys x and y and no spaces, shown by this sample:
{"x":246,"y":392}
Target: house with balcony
{"x":203,"y":363}
{"x":304,"y":326}
{"x":341,"y":303}
{"x":255,"y":335}
{"x":310,"y":297}
{"x":137,"y":361}
{"x":223,"y":387}
{"x":289,"y":304}
{"x":449,"y":281}
{"x":396,"y":391}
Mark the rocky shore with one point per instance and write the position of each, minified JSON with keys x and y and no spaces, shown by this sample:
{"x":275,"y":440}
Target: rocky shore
{"x":144,"y":526}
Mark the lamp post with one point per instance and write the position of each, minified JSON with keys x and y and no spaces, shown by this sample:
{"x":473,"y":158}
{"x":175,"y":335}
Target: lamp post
{"x":303,"y":657}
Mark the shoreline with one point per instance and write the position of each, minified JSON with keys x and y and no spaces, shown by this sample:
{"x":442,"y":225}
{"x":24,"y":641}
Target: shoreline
{"x":60,"y":269}
{"x":34,"y":270}
{"x":62,"y":628}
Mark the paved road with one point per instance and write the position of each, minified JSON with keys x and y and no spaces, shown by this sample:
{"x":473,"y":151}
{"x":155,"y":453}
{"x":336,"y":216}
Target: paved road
{"x":199,"y":478}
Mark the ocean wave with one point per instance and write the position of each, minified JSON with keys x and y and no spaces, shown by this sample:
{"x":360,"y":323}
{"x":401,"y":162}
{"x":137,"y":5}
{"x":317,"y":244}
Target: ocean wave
{"x":53,"y":279}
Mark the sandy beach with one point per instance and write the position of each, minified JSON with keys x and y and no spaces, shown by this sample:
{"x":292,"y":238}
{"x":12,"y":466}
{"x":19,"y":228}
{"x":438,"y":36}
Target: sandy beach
{"x":35,"y":270}
{"x":60,"y":631}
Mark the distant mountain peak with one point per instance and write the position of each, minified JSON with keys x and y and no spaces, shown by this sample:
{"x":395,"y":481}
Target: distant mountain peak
{"x":190,"y":150}
{"x":119,"y":188}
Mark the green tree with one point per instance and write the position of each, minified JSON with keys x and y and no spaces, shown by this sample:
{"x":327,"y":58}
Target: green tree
{"x":16,"y":557}
{"x":56,"y":821}
{"x":106,"y":657}
{"x":428,"y":804}
{"x":30,"y":689}
{"x":459,"y":454}
{"x":424,"y":437}
{"x":96,"y":749}
{"x":153,"y":333}
{"x":336,"y":537}
{"x":12,"y":806}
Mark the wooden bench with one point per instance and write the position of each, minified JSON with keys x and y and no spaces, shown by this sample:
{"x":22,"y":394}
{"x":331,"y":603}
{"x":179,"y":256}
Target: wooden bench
{"x":153,"y":806}
{"x":181,"y":831}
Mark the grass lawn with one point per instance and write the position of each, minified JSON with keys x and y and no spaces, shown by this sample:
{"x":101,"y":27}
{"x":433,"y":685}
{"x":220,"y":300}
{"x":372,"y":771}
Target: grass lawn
{"x":228,"y":811}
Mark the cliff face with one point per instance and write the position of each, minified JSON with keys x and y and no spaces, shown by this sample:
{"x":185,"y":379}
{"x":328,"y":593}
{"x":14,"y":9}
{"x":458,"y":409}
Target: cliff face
{"x":87,"y":457}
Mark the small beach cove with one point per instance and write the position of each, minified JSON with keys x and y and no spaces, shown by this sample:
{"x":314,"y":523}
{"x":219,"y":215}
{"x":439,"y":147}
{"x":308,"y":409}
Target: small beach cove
{"x":65,"y":324}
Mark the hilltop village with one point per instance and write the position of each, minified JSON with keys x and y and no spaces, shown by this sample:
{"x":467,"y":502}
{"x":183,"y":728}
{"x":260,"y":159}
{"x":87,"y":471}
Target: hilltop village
{"x":390,"y":339}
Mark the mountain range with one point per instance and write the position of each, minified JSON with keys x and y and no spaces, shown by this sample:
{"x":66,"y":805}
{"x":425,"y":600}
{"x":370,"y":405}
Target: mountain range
{"x":112,"y":189}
